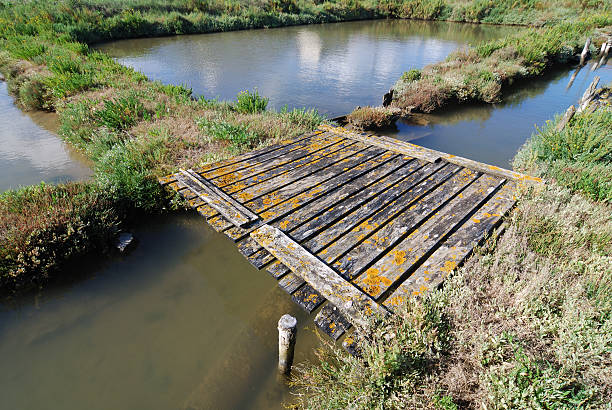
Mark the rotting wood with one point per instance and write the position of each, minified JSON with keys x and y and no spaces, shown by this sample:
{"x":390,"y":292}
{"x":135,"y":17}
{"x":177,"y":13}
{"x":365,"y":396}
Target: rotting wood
{"x":456,"y":249}
{"x":259,"y":180}
{"x":351,"y":204}
{"x":307,"y":298}
{"x":588,"y":95}
{"x":291,"y":208}
{"x":331,"y":321}
{"x":234,"y":172}
{"x":290,"y":283}
{"x":321,"y":277}
{"x":567,"y":117}
{"x":585,"y":51}
{"x":402,"y":257}
{"x":433,"y":156}
{"x":344,"y":217}
{"x":352,"y":263}
{"x":243,"y":157}
{"x":231,"y":209}
{"x":319,"y":162}
{"x":294,"y":211}
{"x":387,"y":143}
{"x":330,"y":248}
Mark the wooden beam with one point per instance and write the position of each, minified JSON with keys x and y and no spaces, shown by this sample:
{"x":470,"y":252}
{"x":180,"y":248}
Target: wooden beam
{"x":430,"y":154}
{"x":231,"y":209}
{"x":321,"y":277}
{"x":391,"y":144}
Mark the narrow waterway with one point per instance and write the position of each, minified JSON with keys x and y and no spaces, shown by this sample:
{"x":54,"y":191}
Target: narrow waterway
{"x":183,"y":321}
{"x":30,"y":151}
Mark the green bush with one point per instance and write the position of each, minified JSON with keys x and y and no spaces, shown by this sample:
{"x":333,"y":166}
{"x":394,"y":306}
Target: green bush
{"x":247,"y":102}
{"x":411,"y":75}
{"x":239,"y":137}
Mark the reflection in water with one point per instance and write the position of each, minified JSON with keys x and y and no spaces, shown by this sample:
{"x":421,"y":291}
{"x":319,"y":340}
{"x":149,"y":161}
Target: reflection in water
{"x":30,"y":152}
{"x":182,"y":322}
{"x":494,"y":133}
{"x":333,"y":67}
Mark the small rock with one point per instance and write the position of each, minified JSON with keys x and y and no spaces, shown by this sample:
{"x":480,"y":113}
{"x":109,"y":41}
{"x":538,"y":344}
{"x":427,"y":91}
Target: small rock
{"x":124,"y":241}
{"x":2,"y":78}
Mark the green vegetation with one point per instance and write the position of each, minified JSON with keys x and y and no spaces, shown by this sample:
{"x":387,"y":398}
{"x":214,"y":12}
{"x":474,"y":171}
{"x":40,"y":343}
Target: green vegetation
{"x":43,"y":226}
{"x":481,"y":73}
{"x":579,"y":157}
{"x":526,"y":324}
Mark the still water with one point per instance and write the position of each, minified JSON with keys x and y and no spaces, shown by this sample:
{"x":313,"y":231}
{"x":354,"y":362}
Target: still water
{"x":183,"y":321}
{"x":30,"y":152}
{"x":332,"y":67}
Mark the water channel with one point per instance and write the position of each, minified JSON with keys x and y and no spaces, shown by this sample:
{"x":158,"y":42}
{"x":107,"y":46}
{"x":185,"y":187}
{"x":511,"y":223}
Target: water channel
{"x":183,"y":321}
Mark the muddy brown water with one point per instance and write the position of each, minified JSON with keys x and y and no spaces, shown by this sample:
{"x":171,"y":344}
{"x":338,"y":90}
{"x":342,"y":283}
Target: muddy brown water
{"x":183,"y":321}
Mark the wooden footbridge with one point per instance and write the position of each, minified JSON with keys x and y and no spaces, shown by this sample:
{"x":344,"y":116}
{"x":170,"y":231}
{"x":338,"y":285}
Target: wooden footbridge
{"x":354,"y":222}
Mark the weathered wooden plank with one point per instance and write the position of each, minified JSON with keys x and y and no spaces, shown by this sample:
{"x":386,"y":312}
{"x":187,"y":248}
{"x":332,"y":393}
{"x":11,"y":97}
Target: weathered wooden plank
{"x":277,"y":270}
{"x":351,"y":344}
{"x":277,"y":159}
{"x":348,"y":193}
{"x":433,"y":155}
{"x":216,"y":201}
{"x":400,"y":258}
{"x":319,"y":198}
{"x":244,"y":157}
{"x":320,"y":276}
{"x":398,"y":225}
{"x":456,"y":249}
{"x":332,"y":179}
{"x":332,"y":322}
{"x":262,"y":196}
{"x":359,"y":225}
{"x":260,"y":258}
{"x":219,"y":223}
{"x":308,"y":188}
{"x":290,"y":283}
{"x":346,"y":216}
{"x":290,"y":166}
{"x":307,"y":298}
{"x":489,"y":169}
{"x":232,"y":210}
{"x":392,"y":144}
{"x":206,"y":210}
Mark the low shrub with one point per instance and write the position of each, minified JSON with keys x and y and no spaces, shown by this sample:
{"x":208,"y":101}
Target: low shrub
{"x":372,"y":118}
{"x":121,"y":113}
{"x":249,"y":103}
{"x":45,"y":225}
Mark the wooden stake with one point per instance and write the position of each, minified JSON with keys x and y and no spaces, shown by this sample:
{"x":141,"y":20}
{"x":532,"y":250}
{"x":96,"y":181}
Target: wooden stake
{"x":585,"y":51}
{"x":287,"y":332}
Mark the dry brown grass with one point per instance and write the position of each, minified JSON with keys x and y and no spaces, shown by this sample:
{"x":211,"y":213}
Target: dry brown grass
{"x":372,"y":118}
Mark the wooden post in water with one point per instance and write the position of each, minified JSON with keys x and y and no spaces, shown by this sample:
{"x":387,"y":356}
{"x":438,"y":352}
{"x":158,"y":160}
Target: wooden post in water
{"x":585,"y":51}
{"x":287,"y":332}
